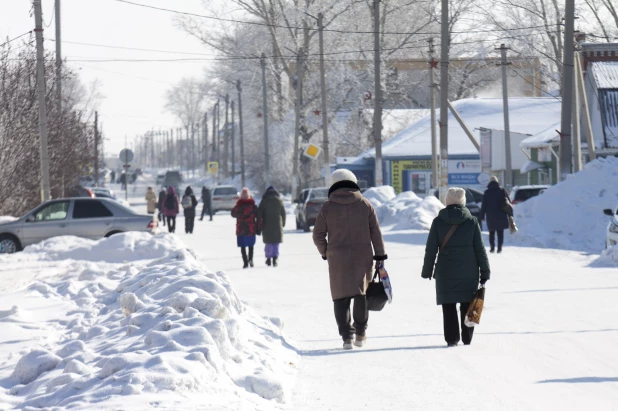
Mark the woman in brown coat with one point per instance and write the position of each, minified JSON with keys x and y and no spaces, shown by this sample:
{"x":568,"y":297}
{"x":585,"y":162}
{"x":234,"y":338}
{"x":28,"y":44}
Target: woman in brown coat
{"x":354,"y":241}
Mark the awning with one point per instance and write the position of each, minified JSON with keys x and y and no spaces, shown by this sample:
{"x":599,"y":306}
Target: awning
{"x":530,"y":166}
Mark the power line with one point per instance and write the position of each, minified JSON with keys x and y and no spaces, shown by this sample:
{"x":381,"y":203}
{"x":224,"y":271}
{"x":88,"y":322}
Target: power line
{"x":534,"y":85}
{"x":256,"y":23}
{"x":16,"y":38}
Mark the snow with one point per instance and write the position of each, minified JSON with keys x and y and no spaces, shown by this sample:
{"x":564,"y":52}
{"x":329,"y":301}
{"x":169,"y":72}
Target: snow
{"x":403,"y":211}
{"x":546,"y":138}
{"x":7,"y":219}
{"x":608,"y":258}
{"x":153,"y":321}
{"x":569,"y":215}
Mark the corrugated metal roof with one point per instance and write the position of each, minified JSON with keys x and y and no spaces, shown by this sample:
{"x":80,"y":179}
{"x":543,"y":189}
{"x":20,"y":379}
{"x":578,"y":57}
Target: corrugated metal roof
{"x":605,"y":74}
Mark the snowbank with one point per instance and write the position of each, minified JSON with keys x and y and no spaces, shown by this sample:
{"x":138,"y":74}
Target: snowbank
{"x":403,"y":211}
{"x":142,"y":330}
{"x":608,"y":258}
{"x":570,"y":215}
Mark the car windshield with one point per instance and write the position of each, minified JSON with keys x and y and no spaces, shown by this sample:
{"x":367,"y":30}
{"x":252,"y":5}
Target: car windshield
{"x":319,"y":193}
{"x":226,"y":191}
{"x":526,"y":193}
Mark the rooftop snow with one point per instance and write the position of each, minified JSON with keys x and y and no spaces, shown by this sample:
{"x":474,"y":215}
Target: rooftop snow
{"x":605,"y":74}
{"x":527,"y":116}
{"x":546,"y":138}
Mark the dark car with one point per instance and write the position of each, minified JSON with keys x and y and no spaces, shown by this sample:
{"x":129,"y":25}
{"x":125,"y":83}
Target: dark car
{"x":519,"y":194}
{"x":172,"y":178}
{"x":474,"y":200}
{"x":308,"y":207}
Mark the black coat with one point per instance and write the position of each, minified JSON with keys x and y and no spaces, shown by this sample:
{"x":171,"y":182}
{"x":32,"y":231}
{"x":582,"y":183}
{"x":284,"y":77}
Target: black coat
{"x":491,"y":210}
{"x":462,"y":263}
{"x":190,"y":211}
{"x":271,"y":217}
{"x":162,"y":195}
{"x":206,"y":197}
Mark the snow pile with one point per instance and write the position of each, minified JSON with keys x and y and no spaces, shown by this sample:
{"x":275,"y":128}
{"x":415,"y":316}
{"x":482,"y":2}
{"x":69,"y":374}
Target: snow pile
{"x":404,"y":211}
{"x":144,"y":330}
{"x":7,"y":219}
{"x":608,"y":258}
{"x":570,"y":215}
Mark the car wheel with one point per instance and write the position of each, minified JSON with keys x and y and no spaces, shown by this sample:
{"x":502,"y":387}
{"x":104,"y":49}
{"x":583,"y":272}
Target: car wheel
{"x":9,"y":244}
{"x":306,"y":227}
{"x":108,"y":235}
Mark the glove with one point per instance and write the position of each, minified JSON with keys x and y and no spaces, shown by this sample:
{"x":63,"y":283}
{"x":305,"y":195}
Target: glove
{"x":426,"y":277}
{"x":483,"y":281}
{"x":324,"y":258}
{"x":258,"y":232}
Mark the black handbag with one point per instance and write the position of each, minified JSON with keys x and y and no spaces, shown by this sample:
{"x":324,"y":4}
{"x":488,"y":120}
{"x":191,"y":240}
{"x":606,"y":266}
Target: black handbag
{"x":376,"y":296}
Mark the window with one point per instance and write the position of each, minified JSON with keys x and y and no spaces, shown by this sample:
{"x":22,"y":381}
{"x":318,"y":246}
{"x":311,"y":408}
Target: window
{"x":53,"y":211}
{"x":225,"y":191}
{"x":469,"y":197}
{"x":526,"y":194}
{"x":90,"y":209}
{"x":319,"y":193}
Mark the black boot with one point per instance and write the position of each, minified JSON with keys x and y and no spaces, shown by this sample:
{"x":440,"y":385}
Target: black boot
{"x":251,"y":257}
{"x":244,"y":257}
{"x":268,"y":262}
{"x":275,"y":262}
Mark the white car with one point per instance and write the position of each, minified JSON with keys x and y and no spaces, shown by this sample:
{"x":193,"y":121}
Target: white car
{"x":224,"y":198}
{"x":612,"y":227}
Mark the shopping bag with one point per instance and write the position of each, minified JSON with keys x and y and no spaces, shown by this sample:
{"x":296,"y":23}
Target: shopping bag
{"x":512,"y":226}
{"x":376,"y":295}
{"x":473,"y":316}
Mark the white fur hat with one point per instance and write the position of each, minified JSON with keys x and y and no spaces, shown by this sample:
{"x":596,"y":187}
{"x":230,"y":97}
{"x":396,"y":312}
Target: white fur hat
{"x":456,"y":196}
{"x":494,"y":179}
{"x":343,"y":175}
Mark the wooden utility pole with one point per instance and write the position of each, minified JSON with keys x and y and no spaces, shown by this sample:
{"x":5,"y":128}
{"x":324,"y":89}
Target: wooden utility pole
{"x":325,"y":142}
{"x":377,"y":112}
{"x":435,"y":165}
{"x":226,"y":138}
{"x":40,"y":73}
{"x":566,"y":148}
{"x":444,"y":63}
{"x":242,"y":139}
{"x":206,"y":156}
{"x":507,"y":127}
{"x":297,"y":110}
{"x":265,"y":108}
{"x":233,"y":143}
{"x":96,"y":148}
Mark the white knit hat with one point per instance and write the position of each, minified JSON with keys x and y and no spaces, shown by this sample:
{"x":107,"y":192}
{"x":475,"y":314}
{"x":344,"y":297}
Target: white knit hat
{"x":494,"y":179}
{"x":343,"y":175}
{"x":456,"y":196}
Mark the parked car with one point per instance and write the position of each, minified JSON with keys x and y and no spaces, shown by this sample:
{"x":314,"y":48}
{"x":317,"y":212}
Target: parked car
{"x":92,"y":218}
{"x":519,"y":194}
{"x":160,"y":180}
{"x":172,"y":178}
{"x":108,"y":193}
{"x":474,"y":200}
{"x":224,"y":198}
{"x":80,"y":191}
{"x":308,"y":207}
{"x":612,"y":228}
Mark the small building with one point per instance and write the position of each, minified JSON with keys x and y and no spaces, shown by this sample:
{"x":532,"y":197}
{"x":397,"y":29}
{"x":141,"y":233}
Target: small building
{"x":407,"y":157}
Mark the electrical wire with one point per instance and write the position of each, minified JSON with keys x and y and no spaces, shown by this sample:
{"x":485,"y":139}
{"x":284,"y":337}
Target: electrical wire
{"x":16,"y":38}
{"x":534,"y":85}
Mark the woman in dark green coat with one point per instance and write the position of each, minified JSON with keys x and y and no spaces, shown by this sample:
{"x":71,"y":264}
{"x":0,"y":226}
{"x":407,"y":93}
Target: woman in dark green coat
{"x":462,"y":263}
{"x":271,"y":220}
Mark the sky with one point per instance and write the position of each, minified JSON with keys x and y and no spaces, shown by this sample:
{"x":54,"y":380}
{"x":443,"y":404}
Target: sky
{"x":134,"y":92}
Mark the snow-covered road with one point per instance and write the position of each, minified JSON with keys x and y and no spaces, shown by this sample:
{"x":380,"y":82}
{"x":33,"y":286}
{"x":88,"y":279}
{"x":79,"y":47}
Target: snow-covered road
{"x":547,"y":341}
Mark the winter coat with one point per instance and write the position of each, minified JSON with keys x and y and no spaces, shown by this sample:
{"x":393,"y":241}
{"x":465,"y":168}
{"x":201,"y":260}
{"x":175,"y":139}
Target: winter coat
{"x":206,"y":197}
{"x":271,"y":217}
{"x":170,"y":211}
{"x":151,"y":201}
{"x":491,"y":209}
{"x":161,"y":198}
{"x":352,"y":227}
{"x":190,"y":211}
{"x":462,"y":263}
{"x":245,"y":212}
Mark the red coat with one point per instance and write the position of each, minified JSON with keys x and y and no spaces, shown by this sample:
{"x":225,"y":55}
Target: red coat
{"x":246,"y":213}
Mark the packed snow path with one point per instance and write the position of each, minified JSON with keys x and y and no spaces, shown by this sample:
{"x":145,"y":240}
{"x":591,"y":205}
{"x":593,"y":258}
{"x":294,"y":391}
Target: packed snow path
{"x":547,"y":340}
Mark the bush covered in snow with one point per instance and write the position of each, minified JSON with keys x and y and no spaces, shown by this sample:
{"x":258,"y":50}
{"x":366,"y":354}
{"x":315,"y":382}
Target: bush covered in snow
{"x":403,"y":211}
{"x":570,"y":215}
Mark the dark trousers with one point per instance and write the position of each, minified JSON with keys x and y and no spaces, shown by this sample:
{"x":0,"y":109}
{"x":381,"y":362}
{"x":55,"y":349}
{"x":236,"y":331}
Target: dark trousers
{"x":492,"y":239}
{"x":209,"y":208}
{"x":171,"y":224}
{"x":246,"y":258}
{"x":451,"y":323}
{"x":360,"y":314}
{"x":189,"y":223}
{"x":161,"y":218}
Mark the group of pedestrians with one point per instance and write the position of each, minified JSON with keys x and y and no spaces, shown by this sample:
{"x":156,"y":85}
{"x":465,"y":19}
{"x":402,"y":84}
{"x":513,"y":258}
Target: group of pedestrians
{"x":167,"y":205}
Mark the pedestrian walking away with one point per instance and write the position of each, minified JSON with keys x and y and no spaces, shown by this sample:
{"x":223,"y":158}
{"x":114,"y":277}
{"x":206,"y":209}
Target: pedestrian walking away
{"x":492,"y":211}
{"x":455,"y":237}
{"x":271,"y":220}
{"x":246,"y":212}
{"x":348,"y":236}
{"x":171,"y":209}
{"x":207,"y":200}
{"x":151,"y":201}
{"x":189,"y":205}
{"x":162,"y":195}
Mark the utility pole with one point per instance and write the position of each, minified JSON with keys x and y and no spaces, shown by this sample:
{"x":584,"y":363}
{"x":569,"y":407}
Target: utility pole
{"x":444,"y":63}
{"x":377,"y":112}
{"x":226,"y":137}
{"x":214,"y":130}
{"x":242,"y":138}
{"x":584,"y":102}
{"x":58,"y":64}
{"x":233,"y":143}
{"x":40,"y":66}
{"x":297,"y":108}
{"x":325,"y":142}
{"x":435,"y":178}
{"x":96,"y":148}
{"x":265,"y":108}
{"x":507,"y":127}
{"x":206,"y":156}
{"x":577,"y":142}
{"x":566,"y":148}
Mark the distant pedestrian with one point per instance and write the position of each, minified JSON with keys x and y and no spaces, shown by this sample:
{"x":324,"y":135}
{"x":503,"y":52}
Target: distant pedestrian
{"x":189,"y":204}
{"x":347,"y":235}
{"x":112,"y":177}
{"x":151,"y":201}
{"x":245,"y":212}
{"x":492,"y":211}
{"x":271,"y":220}
{"x":123,"y":180}
{"x":207,"y":200}
{"x":455,"y":237}
{"x":171,"y":209}
{"x":162,"y":194}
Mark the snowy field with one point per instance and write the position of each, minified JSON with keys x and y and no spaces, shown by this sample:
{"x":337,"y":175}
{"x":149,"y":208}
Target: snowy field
{"x":140,"y":322}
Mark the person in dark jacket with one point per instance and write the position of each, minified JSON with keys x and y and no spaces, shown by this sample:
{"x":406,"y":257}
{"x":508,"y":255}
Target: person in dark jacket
{"x":462,"y":263}
{"x":160,"y":206}
{"x":189,"y":204}
{"x":171,"y":208}
{"x":492,"y":212}
{"x":207,"y":200}
{"x":271,"y":220}
{"x":245,"y":212}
